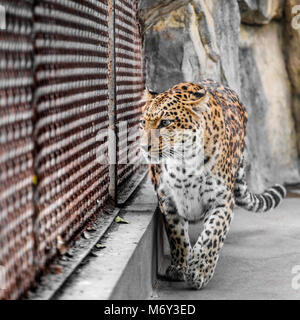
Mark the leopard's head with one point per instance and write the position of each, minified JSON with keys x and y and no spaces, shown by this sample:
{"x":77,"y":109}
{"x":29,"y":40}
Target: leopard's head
{"x":172,"y":124}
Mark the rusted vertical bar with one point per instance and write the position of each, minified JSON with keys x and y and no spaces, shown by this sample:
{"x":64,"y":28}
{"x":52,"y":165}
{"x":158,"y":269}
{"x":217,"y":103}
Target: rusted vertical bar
{"x":112,"y":114}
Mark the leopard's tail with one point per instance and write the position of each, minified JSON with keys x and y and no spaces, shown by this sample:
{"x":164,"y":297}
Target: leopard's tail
{"x":265,"y":201}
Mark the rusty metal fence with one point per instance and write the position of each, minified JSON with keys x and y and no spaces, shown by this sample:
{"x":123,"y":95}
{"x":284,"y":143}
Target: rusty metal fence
{"x":129,"y":85}
{"x":70,"y":70}
{"x":16,"y":149}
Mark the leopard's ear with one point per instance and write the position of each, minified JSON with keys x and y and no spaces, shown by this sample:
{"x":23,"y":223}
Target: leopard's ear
{"x":149,"y":95}
{"x":199,"y":102}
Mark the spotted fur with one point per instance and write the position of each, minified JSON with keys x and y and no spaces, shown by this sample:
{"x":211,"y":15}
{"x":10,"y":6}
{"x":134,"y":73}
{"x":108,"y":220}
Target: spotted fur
{"x":193,"y":135}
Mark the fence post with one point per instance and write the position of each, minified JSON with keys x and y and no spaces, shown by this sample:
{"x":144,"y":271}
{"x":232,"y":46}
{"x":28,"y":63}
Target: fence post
{"x":112,"y":114}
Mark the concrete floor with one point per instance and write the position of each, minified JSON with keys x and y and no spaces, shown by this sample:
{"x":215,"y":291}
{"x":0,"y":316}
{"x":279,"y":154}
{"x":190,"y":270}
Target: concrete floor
{"x":256,"y":262}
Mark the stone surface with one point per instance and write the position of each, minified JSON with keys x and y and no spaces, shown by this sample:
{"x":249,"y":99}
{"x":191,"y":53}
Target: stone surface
{"x":260,"y":11}
{"x":192,"y":43}
{"x":227,"y":27}
{"x":296,"y":109}
{"x":266,"y":92}
{"x":292,"y":36}
{"x":164,"y":48}
{"x":292,"y":50}
{"x":205,"y":39}
{"x":151,"y":11}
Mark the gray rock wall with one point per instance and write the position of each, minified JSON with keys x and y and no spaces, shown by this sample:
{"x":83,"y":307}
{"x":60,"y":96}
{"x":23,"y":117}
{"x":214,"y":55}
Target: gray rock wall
{"x":247,"y":45}
{"x":292,"y":53}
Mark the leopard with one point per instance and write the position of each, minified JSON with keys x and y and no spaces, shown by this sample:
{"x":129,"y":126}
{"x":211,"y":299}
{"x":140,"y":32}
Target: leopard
{"x":193,"y":139}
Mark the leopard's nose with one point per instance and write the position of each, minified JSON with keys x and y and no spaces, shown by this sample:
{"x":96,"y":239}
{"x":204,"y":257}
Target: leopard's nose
{"x":146,"y":147}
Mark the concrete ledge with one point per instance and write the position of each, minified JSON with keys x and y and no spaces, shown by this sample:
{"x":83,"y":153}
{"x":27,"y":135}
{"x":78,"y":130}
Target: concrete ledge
{"x":126,"y":267}
{"x":52,"y":282}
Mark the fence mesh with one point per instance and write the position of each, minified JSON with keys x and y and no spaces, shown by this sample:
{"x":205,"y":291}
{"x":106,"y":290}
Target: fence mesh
{"x":71,"y":102}
{"x":129,"y":86}
{"x":16,"y":149}
{"x":53,"y":124}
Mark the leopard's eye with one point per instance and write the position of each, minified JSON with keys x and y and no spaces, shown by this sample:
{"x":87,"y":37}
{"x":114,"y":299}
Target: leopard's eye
{"x":142,"y":122}
{"x":165,"y":123}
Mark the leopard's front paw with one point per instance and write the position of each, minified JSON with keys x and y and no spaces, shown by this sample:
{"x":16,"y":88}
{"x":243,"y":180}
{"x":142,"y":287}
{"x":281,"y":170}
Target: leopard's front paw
{"x":174,"y":273}
{"x":198,"y":274}
{"x":194,"y":278}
